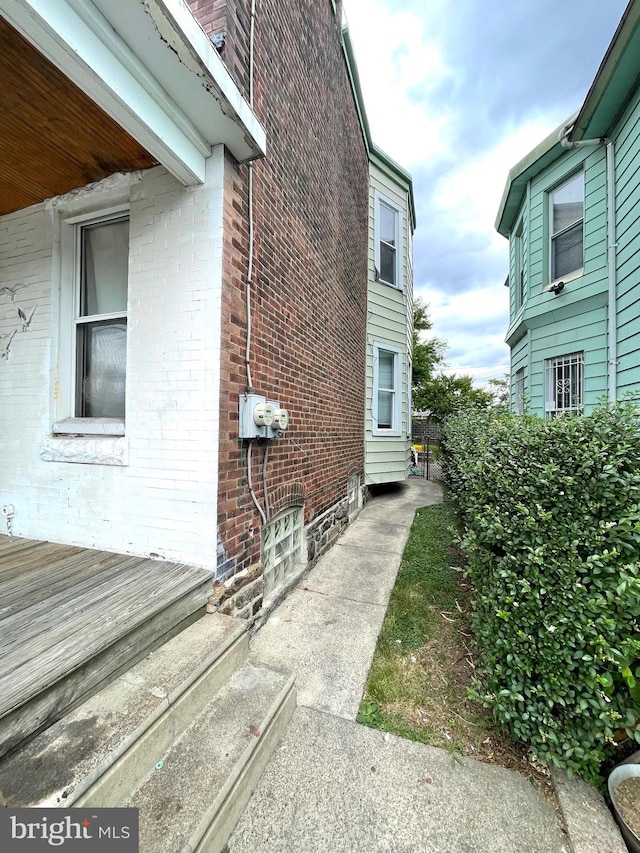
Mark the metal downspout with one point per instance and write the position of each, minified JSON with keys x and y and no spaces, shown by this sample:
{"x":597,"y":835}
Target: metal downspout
{"x":612,"y":275}
{"x":612,"y":334}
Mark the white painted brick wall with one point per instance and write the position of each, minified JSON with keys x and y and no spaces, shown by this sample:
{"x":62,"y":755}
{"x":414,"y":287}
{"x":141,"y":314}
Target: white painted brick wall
{"x":164,"y":500}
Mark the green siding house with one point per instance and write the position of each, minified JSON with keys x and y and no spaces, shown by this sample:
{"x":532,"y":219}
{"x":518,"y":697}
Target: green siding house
{"x":392,"y":222}
{"x":571,"y":212}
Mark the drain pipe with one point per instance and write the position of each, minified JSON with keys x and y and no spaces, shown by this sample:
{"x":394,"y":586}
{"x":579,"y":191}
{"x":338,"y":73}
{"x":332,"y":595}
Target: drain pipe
{"x":247,"y":351}
{"x":613,"y":284}
{"x":612,"y":336}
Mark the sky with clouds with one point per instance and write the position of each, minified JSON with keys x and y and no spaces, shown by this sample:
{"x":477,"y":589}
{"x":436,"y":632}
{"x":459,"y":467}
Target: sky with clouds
{"x":457,"y":93}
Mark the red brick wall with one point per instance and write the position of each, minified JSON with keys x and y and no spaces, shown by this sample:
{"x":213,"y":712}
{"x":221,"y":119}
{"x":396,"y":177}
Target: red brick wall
{"x":310,"y":264}
{"x":233,"y":18}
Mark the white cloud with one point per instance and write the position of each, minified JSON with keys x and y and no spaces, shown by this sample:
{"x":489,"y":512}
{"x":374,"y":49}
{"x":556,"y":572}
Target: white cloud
{"x":395,"y":58}
{"x":471,"y":194}
{"x":456,"y":97}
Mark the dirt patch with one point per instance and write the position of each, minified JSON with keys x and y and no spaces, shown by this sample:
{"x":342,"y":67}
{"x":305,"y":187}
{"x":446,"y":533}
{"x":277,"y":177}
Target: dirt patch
{"x":627,"y":797}
{"x":453,"y":721}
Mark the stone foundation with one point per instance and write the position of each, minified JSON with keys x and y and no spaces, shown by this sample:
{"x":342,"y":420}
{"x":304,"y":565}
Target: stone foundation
{"x":240,"y":596}
{"x":325,"y":529}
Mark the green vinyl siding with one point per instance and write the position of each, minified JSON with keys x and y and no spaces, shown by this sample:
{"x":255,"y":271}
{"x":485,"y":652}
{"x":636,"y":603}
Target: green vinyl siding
{"x":628,"y":251}
{"x":519,"y":361}
{"x":576,"y":320}
{"x":584,"y":332}
{"x":390,"y":322}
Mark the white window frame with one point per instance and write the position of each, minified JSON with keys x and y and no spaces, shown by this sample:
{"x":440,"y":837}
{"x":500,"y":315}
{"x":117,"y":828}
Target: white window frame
{"x":396,"y":408}
{"x":573,"y":274}
{"x":383,"y":200}
{"x":519,"y":391}
{"x":519,"y":269}
{"x":573,"y":365}
{"x":66,"y":422}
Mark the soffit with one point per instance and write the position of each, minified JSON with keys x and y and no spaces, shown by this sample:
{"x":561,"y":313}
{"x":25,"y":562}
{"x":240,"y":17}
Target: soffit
{"x":54,"y":138}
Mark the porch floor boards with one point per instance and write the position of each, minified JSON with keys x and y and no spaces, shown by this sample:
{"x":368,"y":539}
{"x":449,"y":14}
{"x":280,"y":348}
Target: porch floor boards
{"x":61,"y":606}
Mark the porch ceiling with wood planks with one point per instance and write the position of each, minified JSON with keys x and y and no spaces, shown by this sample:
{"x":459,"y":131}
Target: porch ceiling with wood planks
{"x":54,"y":138}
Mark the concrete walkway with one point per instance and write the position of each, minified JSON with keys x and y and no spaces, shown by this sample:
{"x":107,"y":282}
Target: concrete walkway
{"x":337,"y":786}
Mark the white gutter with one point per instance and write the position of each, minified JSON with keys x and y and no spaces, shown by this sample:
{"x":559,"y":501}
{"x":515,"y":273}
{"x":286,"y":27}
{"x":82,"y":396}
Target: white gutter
{"x":612,"y":334}
{"x":612,"y":274}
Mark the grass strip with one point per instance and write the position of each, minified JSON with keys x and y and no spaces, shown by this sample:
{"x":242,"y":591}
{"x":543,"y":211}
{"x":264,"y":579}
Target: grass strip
{"x":414,"y":687}
{"x":423,"y":664}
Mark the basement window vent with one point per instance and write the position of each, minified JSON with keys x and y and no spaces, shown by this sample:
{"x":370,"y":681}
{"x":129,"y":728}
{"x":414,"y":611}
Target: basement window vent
{"x":282,"y":548}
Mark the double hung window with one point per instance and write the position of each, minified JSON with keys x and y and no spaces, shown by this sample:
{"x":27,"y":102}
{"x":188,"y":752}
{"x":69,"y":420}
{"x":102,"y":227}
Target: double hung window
{"x":519,"y":392}
{"x":388,"y":237}
{"x":386,"y":390}
{"x":566,"y":216}
{"x":519,"y":269}
{"x":100,"y":320}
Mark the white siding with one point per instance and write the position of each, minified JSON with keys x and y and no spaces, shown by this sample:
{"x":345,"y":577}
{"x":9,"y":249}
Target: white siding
{"x":163,"y":500}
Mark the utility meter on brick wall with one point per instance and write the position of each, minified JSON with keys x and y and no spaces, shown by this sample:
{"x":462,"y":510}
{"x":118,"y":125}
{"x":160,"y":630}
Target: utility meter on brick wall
{"x":261,"y":418}
{"x":280,"y":420}
{"x":263,"y":414}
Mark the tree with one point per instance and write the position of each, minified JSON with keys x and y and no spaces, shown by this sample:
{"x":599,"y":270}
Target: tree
{"x":500,"y":390}
{"x":444,"y":394}
{"x":427,"y":355}
{"x":433,"y":391}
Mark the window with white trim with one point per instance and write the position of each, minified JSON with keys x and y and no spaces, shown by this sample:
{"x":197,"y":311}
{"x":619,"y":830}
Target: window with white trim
{"x":519,"y":269}
{"x":93,"y":324}
{"x":564,"y":382}
{"x":388,"y":241}
{"x":519,"y":391}
{"x":566,"y":227}
{"x":386,"y":403}
{"x":101,"y":319}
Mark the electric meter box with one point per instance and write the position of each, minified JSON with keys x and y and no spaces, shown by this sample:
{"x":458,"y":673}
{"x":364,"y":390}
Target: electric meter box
{"x":255,"y":416}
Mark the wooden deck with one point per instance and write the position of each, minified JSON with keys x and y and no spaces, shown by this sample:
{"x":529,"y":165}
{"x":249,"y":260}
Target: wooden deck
{"x":71,"y":619}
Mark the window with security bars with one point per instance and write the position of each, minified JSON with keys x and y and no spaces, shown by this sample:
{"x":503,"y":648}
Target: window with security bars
{"x":282,"y":547}
{"x":564,"y":385}
{"x":519,"y":389}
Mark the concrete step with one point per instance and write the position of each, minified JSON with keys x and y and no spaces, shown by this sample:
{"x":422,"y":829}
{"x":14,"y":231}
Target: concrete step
{"x":100,"y":752}
{"x":194,"y":797}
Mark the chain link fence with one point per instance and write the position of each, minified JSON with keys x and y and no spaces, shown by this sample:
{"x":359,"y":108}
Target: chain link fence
{"x":426,"y":452}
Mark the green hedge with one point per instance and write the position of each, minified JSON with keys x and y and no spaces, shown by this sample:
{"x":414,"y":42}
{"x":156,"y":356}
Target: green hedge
{"x":550,"y":511}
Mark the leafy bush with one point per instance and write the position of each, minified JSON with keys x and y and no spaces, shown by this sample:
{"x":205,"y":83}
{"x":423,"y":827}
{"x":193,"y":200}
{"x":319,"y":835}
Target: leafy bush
{"x":550,"y":511}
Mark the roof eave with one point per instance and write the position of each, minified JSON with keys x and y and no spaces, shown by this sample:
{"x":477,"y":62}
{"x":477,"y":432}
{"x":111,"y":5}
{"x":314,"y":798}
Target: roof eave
{"x":615,"y":80}
{"x":539,"y":158}
{"x":376,"y":155}
{"x":150,"y":66}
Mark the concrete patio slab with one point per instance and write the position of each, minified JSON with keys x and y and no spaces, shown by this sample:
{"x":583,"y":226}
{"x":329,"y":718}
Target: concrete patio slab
{"x":339,"y":786}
